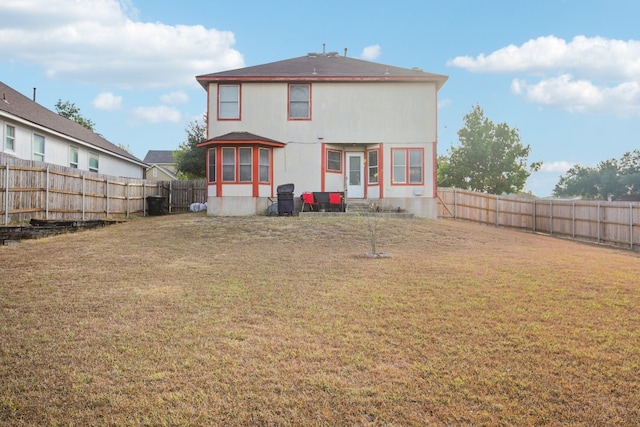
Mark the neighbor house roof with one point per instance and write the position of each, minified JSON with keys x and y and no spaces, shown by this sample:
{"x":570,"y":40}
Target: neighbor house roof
{"x":166,"y":171}
{"x":159,"y":156}
{"x":323,"y":67}
{"x":18,"y":105}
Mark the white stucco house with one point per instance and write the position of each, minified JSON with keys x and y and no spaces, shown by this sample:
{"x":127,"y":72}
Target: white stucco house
{"x":324,"y":122}
{"x":32,"y":132}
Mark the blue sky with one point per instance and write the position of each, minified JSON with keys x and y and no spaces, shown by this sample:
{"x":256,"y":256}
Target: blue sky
{"x":566,"y":73}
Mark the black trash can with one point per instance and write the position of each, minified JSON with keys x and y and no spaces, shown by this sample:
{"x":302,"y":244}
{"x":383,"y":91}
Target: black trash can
{"x":285,"y":199}
{"x":155,"y":205}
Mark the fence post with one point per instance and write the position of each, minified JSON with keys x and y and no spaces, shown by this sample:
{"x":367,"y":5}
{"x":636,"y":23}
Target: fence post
{"x":551,"y":218}
{"x":170,"y":195}
{"x":534,"y":215}
{"x":107,"y":202}
{"x":6,"y":193}
{"x":46,"y":194}
{"x":127,"y":209}
{"x":83,"y":196}
{"x":497,"y":209}
{"x":144,"y":197}
{"x":631,"y":226}
{"x":598,"y":222}
{"x":455,"y":204}
{"x":573,"y":220}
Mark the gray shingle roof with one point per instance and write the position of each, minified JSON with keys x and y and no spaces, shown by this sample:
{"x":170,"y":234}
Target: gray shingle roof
{"x":13,"y":102}
{"x":241,"y":137}
{"x":159,"y":156}
{"x":319,"y":67}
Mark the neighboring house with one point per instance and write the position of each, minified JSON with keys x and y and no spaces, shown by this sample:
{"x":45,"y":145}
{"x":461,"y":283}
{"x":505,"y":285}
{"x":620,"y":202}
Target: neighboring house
{"x":162,"y":166}
{"x":323,"y":122}
{"x":32,"y":132}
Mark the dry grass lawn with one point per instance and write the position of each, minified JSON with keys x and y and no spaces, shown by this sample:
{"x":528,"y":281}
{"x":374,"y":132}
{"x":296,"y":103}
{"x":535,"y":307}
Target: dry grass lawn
{"x":199,"y":321}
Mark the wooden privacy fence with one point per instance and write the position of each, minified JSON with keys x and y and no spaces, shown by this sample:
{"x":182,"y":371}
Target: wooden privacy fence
{"x":31,"y":189}
{"x":610,"y":223}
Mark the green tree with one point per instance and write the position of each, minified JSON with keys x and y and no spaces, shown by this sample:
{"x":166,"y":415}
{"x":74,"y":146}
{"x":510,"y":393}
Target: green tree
{"x":490,"y":158}
{"x":610,"y":178}
{"x":191,"y":160}
{"x":70,"y":111}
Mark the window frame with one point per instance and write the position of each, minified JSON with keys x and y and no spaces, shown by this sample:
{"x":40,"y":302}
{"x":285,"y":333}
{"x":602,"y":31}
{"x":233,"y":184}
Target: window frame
{"x":373,"y":171}
{"x":96,"y":168}
{"x":37,"y":155}
{"x":407,"y":167}
{"x":291,"y":101}
{"x":261,"y":165}
{"x":224,"y":164}
{"x":10,"y":140}
{"x":212,"y":164}
{"x":332,"y":169}
{"x":73,"y":149}
{"x":237,"y":102}
{"x":244,"y":164}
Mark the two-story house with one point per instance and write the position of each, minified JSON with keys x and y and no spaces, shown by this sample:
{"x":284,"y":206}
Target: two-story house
{"x":323,"y":122}
{"x":32,"y":132}
{"x":162,"y":165}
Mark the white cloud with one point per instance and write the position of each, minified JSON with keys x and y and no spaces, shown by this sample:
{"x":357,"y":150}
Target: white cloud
{"x":371,"y":52}
{"x":584,"y":75}
{"x":444,"y":103}
{"x":101,"y":41}
{"x":175,"y":98}
{"x":107,"y":101}
{"x":560,"y":167}
{"x":158,"y":114}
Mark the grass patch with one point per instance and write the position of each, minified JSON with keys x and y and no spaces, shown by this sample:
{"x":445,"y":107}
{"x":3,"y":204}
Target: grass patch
{"x":193,"y":320}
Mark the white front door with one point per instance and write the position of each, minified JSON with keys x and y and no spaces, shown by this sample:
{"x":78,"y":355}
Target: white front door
{"x":355,"y":175}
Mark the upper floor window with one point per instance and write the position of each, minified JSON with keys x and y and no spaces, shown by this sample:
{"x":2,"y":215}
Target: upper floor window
{"x":38,"y":148}
{"x":228,"y":102}
{"x":94,"y":162}
{"x":299,"y":102}
{"x":10,"y":138}
{"x":372,"y":166}
{"x":73,"y":157}
{"x":408,"y":166}
{"x":334,"y":161}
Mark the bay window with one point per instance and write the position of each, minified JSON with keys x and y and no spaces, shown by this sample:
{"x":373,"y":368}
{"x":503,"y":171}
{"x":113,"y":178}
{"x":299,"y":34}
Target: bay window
{"x":245,"y":165}
{"x":264,"y":165}
{"x":228,"y":164}
{"x":212,"y":165}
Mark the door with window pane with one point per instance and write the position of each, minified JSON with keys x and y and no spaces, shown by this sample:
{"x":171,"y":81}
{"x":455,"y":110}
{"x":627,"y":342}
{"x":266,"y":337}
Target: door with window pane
{"x":355,"y":175}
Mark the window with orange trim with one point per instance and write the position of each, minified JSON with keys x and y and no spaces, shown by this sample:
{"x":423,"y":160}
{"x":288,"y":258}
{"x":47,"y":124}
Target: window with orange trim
{"x":334,"y":161}
{"x":212,"y":165}
{"x":228,"y":102}
{"x":299,"y":102}
{"x":407,"y":165}
{"x":372,"y":166}
{"x":239,"y":165}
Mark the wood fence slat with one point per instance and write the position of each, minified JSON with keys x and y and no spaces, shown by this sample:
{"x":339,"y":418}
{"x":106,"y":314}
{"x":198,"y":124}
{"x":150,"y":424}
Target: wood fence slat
{"x":30,"y":189}
{"x":611,"y":223}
